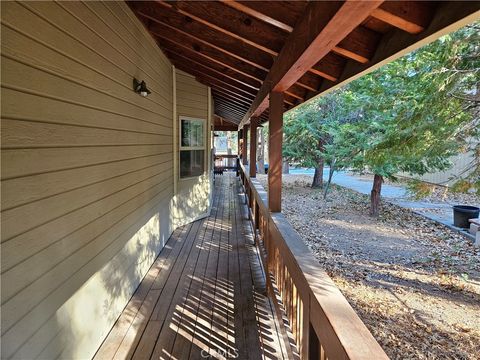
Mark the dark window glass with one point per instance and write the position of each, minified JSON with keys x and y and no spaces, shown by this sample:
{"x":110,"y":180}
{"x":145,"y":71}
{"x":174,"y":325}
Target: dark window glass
{"x":192,"y":133}
{"x":191,"y":163}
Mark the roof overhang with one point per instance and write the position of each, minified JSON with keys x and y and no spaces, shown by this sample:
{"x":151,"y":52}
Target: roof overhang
{"x":244,"y":50}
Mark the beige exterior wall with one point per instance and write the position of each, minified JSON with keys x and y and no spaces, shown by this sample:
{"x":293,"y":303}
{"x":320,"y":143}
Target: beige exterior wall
{"x":87,"y":171}
{"x":193,"y":196}
{"x":461,"y":168}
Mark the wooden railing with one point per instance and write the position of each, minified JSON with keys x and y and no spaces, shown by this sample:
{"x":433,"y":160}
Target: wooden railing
{"x":225,"y":162}
{"x":321,"y":321}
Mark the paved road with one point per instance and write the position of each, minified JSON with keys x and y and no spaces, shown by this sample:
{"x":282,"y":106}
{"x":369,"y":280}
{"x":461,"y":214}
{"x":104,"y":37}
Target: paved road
{"x":397,"y":194}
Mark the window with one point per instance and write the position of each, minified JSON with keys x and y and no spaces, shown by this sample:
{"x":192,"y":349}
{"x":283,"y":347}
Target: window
{"x":192,"y":147}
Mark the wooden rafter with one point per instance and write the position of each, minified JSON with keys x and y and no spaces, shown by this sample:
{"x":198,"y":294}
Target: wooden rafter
{"x":396,"y":43}
{"x":309,"y":82}
{"x":213,"y":79}
{"x":317,"y":32}
{"x":359,"y":45}
{"x":191,"y":27}
{"x":220,"y":97}
{"x":223,"y":124}
{"x":221,"y":88}
{"x":410,"y":16}
{"x":229,"y":110}
{"x":219,"y":93}
{"x":232,"y":104}
{"x":244,"y":50}
{"x":180,"y":41}
{"x":199,"y":57}
{"x":249,"y":53}
{"x":174,"y":38}
{"x":232,"y":127}
{"x":229,"y":101}
{"x":242,"y":83}
{"x":258,"y":15}
{"x":229,"y":22}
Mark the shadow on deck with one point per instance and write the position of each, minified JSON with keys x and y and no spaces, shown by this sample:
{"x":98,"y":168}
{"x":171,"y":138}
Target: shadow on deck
{"x":204,"y":297}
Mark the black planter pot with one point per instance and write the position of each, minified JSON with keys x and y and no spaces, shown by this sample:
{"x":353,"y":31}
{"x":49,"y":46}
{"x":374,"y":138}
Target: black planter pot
{"x":461,"y":214}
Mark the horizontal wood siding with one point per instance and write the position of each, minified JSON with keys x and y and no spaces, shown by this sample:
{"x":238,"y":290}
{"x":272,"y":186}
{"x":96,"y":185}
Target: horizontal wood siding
{"x":87,"y":171}
{"x":462,"y":166}
{"x":192,"y":200}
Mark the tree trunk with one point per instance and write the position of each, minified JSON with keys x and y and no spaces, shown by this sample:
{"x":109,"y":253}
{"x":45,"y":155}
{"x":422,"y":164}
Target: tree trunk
{"x":318,"y":176}
{"x":375,"y":195}
{"x":330,"y":176}
{"x":261,"y":153}
{"x":285,"y":167}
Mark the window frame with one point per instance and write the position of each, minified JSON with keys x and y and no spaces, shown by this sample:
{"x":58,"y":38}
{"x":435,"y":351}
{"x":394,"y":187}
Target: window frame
{"x":190,"y":148}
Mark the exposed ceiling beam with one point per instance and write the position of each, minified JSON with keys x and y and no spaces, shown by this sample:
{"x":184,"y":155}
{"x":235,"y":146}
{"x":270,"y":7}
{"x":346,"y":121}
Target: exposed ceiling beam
{"x":219,"y":93}
{"x":174,"y":38}
{"x":258,"y":15}
{"x":229,"y":110}
{"x":232,"y":104}
{"x":226,"y":20}
{"x":188,"y":25}
{"x":199,"y":57}
{"x":222,"y":113}
{"x":236,"y":96}
{"x":233,"y":127}
{"x":230,"y":97}
{"x":329,"y":67}
{"x":229,"y":105}
{"x":215,"y":79}
{"x":214,"y":83}
{"x":254,"y":58}
{"x":287,"y":12}
{"x":410,"y":16}
{"x":315,"y":34}
{"x":222,"y":121}
{"x":298,"y":97}
{"x":242,"y":82}
{"x":449,"y":16}
{"x":232,"y":110}
{"x":309,"y":82}
{"x":184,"y":46}
{"x":359,"y":45}
{"x":232,"y":114}
{"x":228,"y":100}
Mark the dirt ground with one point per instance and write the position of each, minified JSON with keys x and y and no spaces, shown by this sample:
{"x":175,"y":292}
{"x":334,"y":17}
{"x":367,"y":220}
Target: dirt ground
{"x":414,"y":283}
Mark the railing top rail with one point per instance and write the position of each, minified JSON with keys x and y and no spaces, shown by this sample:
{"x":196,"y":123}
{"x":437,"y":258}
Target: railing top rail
{"x":229,"y":156}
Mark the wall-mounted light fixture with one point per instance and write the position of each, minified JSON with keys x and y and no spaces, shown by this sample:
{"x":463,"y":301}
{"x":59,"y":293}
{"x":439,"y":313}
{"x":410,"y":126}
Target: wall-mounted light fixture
{"x":140,"y":87}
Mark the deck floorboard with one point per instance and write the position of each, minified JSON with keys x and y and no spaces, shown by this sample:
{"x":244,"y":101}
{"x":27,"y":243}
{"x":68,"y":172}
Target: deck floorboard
{"x":204,"y":295}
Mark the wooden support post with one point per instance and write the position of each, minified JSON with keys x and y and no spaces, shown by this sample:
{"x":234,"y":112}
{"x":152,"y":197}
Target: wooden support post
{"x":239,"y":143}
{"x":275,"y":139}
{"x":244,"y":145}
{"x":253,"y":147}
{"x":239,"y":151}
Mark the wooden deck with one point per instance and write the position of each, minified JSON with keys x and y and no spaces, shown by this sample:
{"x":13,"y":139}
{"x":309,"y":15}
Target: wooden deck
{"x":204,"y":295}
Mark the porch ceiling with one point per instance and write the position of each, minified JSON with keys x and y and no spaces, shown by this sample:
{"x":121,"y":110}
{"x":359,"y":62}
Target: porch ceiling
{"x":221,"y":124}
{"x":244,"y":50}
